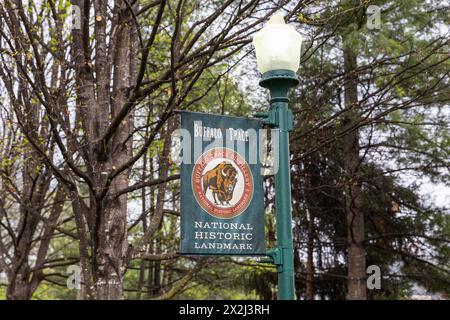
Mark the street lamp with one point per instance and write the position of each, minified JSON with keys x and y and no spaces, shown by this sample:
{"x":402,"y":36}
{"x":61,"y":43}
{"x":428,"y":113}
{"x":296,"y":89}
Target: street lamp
{"x":277,"y":48}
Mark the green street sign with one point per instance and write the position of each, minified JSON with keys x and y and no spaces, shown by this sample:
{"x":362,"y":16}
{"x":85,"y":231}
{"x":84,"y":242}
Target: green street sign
{"x":222,"y":200}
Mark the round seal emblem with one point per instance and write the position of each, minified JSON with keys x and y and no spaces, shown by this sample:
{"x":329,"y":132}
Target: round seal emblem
{"x":222,"y":183}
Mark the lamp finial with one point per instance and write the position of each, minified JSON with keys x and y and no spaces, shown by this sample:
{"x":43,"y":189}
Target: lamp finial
{"x":276,"y":18}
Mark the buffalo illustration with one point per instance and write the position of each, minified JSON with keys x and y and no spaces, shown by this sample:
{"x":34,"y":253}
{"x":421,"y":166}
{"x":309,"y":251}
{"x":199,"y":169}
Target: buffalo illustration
{"x":222,"y":181}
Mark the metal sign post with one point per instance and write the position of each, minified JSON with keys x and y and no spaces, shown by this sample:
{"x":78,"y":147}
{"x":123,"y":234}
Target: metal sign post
{"x":279,"y":82}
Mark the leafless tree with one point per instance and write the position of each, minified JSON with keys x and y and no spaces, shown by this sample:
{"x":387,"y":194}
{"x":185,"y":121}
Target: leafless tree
{"x":104,"y":93}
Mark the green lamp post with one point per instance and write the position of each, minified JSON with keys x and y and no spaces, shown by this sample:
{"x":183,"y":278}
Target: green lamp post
{"x":277,"y":48}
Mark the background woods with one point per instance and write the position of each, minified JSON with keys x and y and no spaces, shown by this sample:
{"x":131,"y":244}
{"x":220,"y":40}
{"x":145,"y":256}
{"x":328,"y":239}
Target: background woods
{"x":88,"y":94}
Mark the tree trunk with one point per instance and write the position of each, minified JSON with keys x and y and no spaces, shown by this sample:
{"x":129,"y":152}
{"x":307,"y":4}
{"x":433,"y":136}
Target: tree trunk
{"x":356,"y":284}
{"x":19,"y":287}
{"x":113,"y":244}
{"x":32,"y":197}
{"x":310,"y":259}
{"x":104,"y":258}
{"x":143,"y":263}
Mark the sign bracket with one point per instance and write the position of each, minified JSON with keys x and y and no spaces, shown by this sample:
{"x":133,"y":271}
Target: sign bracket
{"x":274,"y":256}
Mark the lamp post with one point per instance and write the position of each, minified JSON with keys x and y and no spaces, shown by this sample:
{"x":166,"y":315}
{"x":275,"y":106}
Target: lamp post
{"x":277,"y":48}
